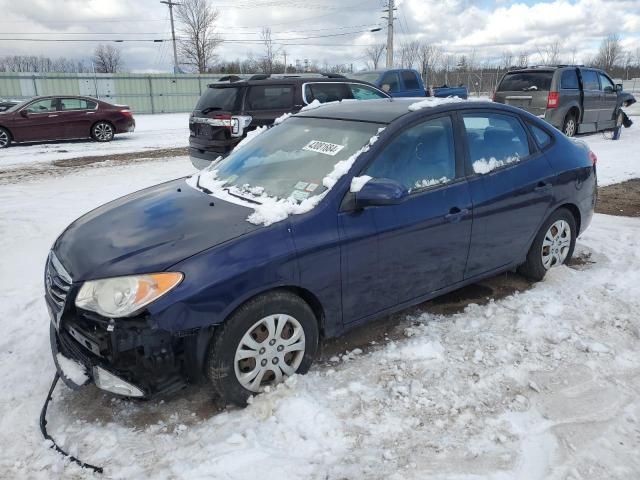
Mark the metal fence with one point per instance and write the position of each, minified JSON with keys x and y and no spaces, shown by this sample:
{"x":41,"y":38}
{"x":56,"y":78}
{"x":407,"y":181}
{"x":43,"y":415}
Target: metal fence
{"x":144,"y":93}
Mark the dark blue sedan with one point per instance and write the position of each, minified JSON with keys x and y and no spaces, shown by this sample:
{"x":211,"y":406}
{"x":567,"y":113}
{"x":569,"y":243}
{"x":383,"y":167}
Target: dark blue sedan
{"x":336,"y":216}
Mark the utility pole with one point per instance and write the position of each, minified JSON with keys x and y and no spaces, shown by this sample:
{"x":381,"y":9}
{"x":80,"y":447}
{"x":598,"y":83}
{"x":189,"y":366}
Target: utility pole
{"x":284,"y":53}
{"x":390,"y":19}
{"x":171,"y":4}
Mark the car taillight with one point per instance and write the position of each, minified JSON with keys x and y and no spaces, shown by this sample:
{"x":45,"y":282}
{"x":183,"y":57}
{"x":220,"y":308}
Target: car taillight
{"x":593,"y":157}
{"x":127,"y":113}
{"x":553,"y":100}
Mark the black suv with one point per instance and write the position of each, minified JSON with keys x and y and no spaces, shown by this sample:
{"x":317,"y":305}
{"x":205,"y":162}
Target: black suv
{"x":230,"y":108}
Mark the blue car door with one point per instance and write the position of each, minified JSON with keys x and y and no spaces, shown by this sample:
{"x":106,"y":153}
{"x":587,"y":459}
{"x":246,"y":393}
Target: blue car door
{"x":511,"y":188}
{"x":399,"y":253}
{"x":412,"y":86}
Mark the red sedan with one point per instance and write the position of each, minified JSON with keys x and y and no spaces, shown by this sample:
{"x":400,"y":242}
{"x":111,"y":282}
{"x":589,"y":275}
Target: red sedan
{"x":63,"y":117}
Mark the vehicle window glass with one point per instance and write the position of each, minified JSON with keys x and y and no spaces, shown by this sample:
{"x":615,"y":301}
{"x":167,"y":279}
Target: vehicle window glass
{"x":390,"y":82}
{"x":606,"y":82}
{"x":76,"y":104}
{"x":42,"y":106}
{"x":270,"y":97}
{"x":494,"y":136}
{"x":370,"y":77}
{"x":421,"y":156}
{"x":590,"y":80}
{"x":326,"y":92}
{"x":526,"y":81}
{"x":410,"y":80}
{"x":542,"y":137}
{"x":218,"y":98}
{"x":365,"y":92}
{"x":569,"y":80}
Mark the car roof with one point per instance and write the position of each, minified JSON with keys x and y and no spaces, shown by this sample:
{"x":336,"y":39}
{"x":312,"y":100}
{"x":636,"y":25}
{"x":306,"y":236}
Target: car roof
{"x":287,"y":81}
{"x":388,"y":110}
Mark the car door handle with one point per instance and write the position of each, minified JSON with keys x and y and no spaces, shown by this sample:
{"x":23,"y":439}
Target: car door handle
{"x":90,"y":113}
{"x":456,"y":214}
{"x":51,"y":116}
{"x":542,"y":187}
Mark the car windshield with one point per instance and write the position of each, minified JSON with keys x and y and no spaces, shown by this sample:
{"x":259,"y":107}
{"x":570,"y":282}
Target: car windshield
{"x":526,"y":81}
{"x":218,"y":98}
{"x":370,"y":77}
{"x":292,"y":159}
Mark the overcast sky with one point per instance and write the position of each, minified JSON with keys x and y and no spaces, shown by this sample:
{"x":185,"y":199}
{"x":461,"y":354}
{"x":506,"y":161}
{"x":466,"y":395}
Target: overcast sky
{"x":487,"y":26}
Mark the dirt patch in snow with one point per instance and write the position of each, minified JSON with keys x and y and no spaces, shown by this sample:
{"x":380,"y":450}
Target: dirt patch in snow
{"x":622,"y":199}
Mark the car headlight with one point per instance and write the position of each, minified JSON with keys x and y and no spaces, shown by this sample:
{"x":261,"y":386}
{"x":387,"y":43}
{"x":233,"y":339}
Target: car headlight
{"x":124,"y":296}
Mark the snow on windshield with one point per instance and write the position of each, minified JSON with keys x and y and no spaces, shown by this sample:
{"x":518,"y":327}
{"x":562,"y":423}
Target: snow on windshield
{"x":269,"y":209}
{"x":484,"y":166}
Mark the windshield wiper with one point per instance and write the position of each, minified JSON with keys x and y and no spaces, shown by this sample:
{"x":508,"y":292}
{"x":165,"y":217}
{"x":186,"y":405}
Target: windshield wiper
{"x":201,"y":188}
{"x":250,"y":200}
{"x":210,"y":109}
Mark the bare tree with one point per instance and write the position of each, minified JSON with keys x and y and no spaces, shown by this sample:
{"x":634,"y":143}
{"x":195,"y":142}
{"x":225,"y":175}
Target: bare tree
{"x":506,"y":60}
{"x":270,"y":51}
{"x":610,"y":53}
{"x":409,"y":53}
{"x":428,"y":57}
{"x":107,"y":59}
{"x":197,"y":20}
{"x":373,"y":53}
{"x":523,"y":59}
{"x":550,"y":54}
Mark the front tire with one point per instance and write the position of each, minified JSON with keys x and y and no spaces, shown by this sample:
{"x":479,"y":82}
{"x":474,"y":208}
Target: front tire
{"x":553,"y":245}
{"x":266,"y":340}
{"x":102,"y":132}
{"x":5,"y":138}
{"x":570,"y":125}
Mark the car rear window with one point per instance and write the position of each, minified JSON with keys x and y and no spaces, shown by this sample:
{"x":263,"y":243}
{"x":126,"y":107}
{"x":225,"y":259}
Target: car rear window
{"x":569,"y":80}
{"x":410,"y":81}
{"x":270,"y":97}
{"x":526,"y":81}
{"x":219,"y":98}
{"x":326,"y":92}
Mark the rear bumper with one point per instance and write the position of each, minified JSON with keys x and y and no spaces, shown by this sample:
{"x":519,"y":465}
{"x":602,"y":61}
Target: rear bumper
{"x":126,"y":125}
{"x":203,"y":158}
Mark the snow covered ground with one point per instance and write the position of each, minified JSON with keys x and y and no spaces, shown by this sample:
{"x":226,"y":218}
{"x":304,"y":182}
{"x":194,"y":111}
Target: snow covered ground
{"x":166,"y":130}
{"x":543,"y":384}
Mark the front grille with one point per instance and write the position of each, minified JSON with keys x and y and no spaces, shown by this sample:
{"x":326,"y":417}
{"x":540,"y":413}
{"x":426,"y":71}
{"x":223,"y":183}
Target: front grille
{"x":57,"y":282}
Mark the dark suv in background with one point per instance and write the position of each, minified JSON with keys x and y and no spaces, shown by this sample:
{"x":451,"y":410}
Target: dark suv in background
{"x":573,"y":98}
{"x":230,"y":108}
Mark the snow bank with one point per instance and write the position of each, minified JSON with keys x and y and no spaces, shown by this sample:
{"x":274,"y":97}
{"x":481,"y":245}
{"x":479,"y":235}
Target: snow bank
{"x":484,"y":166}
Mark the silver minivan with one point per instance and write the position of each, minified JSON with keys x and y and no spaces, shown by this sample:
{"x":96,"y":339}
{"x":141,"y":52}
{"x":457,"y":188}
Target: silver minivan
{"x":575,"y":99}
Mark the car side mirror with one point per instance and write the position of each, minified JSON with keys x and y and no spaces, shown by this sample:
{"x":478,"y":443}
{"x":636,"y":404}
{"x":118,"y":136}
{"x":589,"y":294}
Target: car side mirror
{"x":24,"y":113}
{"x":379,"y":192}
{"x":608,"y":89}
{"x":618,"y":87}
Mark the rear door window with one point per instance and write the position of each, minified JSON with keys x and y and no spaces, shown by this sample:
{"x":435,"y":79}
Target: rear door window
{"x":526,"y":81}
{"x":219,"y":98}
{"x":270,"y":97}
{"x":326,"y":92}
{"x":590,"y":80}
{"x":569,"y":80}
{"x":76,"y":104}
{"x":365,"y":92}
{"x":410,"y":80}
{"x":495,"y":140}
{"x":390,"y":82}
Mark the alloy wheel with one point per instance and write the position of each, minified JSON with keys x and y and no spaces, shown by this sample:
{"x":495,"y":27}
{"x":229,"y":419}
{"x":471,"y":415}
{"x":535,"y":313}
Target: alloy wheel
{"x":570,"y":128}
{"x":103,"y":132}
{"x":269,"y":351}
{"x":4,"y":139}
{"x":556,"y":244}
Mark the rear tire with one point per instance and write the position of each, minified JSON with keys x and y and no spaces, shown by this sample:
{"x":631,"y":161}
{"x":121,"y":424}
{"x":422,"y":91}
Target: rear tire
{"x":102,"y":132}
{"x":553,"y":245}
{"x":265,"y":340}
{"x":5,"y":138}
{"x":570,"y":125}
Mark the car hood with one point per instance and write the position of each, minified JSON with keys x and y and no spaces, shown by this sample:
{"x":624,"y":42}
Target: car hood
{"x":148,"y":231}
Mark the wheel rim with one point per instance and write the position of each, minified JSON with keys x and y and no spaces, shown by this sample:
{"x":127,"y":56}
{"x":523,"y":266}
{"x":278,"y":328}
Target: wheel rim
{"x":556,"y":244}
{"x":619,"y":120}
{"x":4,"y":138}
{"x":570,"y":128}
{"x":272,"y":349}
{"x":103,"y":131}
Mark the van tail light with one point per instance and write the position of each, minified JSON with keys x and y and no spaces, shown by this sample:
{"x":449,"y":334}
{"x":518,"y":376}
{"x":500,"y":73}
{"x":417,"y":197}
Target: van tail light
{"x":593,"y":157}
{"x":553,"y":100}
{"x":235,"y":123}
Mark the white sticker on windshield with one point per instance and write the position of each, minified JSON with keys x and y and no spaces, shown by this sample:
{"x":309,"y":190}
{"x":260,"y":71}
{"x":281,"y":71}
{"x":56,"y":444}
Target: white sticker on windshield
{"x":311,"y":187}
{"x":301,"y":185}
{"x":299,"y":195}
{"x":323,"y":147}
